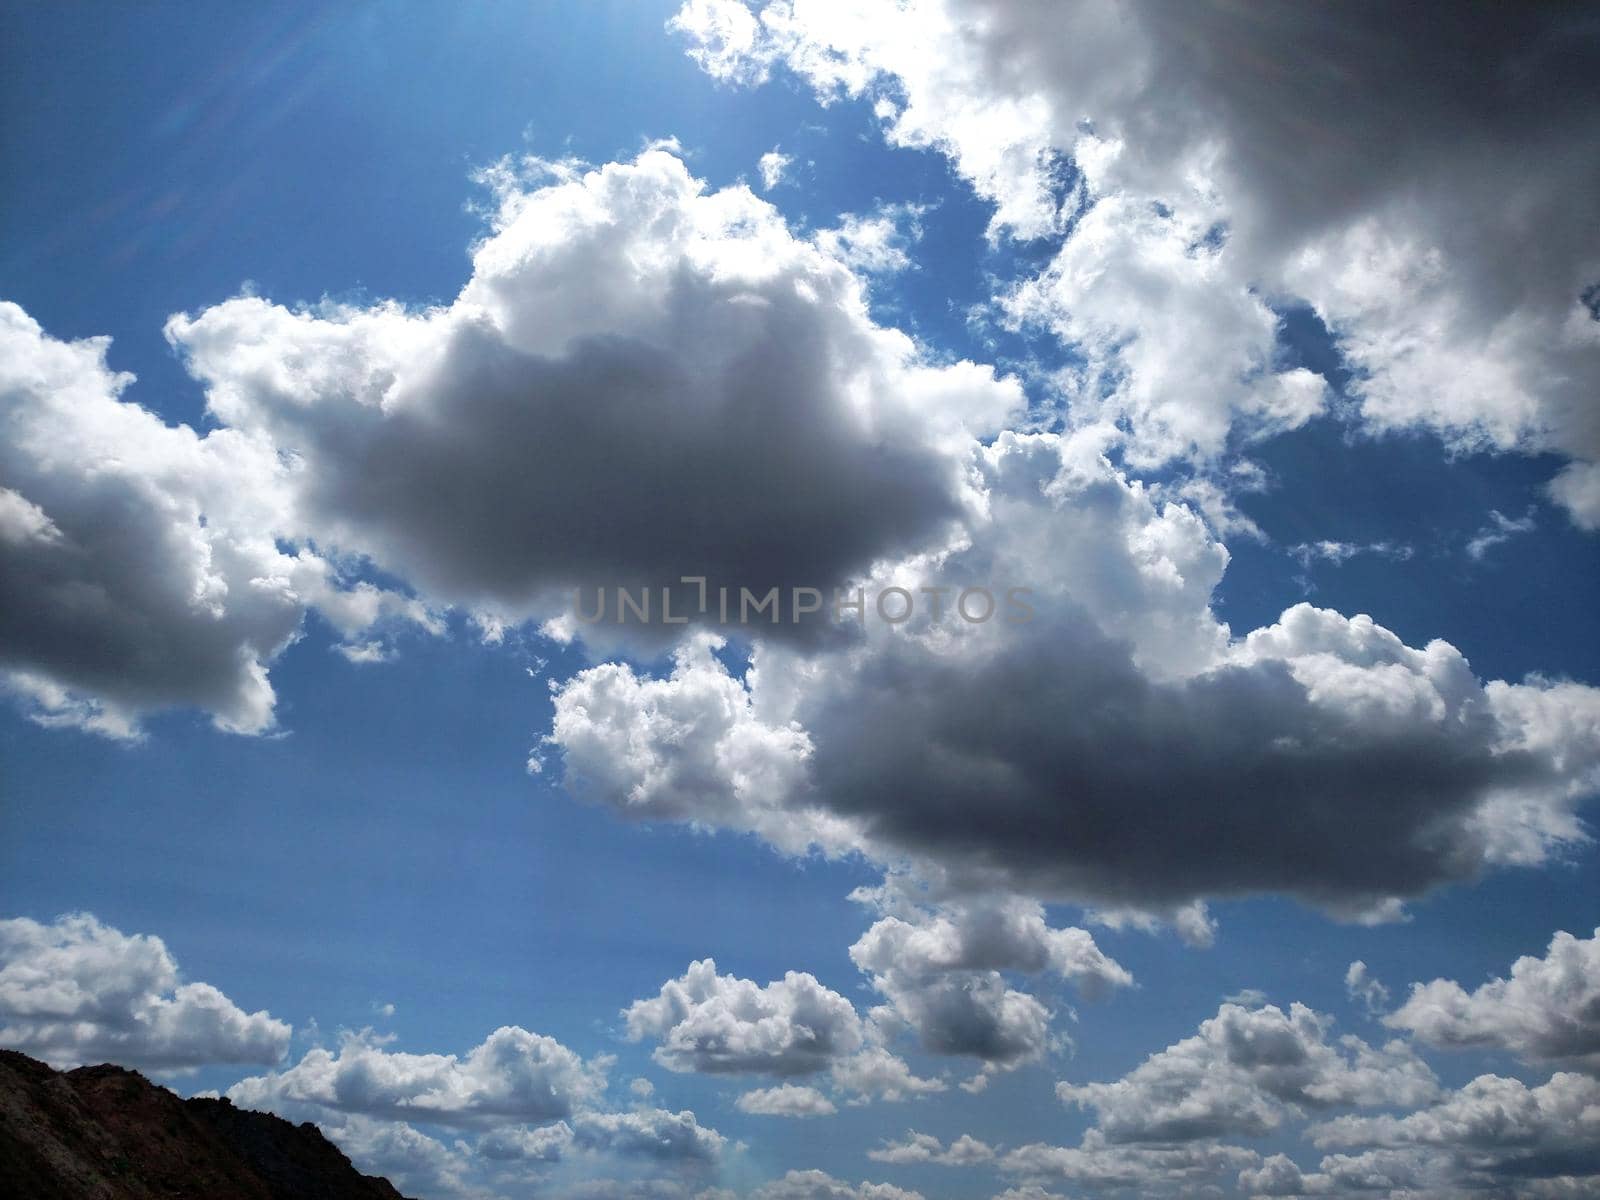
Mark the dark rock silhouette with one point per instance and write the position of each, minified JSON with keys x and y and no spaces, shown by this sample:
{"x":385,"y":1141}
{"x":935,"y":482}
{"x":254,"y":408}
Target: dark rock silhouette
{"x":106,"y":1133}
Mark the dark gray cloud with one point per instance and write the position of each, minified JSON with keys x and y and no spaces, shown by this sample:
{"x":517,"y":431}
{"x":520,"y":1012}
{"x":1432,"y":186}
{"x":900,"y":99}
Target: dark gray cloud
{"x":876,"y":1074}
{"x":1245,"y":1072}
{"x":1073,"y":774}
{"x":720,"y":1024}
{"x":963,"y":1151}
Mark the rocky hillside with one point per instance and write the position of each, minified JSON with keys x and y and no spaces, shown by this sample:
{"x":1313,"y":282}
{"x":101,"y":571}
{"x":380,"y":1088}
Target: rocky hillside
{"x":105,"y":1133}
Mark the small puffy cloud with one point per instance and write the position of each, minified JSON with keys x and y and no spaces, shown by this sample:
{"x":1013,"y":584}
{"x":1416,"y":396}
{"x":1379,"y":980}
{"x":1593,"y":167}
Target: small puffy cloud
{"x":970,"y":1013}
{"x":720,"y":1024}
{"x":772,"y":165}
{"x":786,"y":1100}
{"x":1100,"y":1167}
{"x":513,"y":1075}
{"x":76,"y":991}
{"x":941,"y":974}
{"x":965,"y":1151}
{"x":1547,"y":1011}
{"x":987,"y":934}
{"x":1359,"y":984}
{"x":1500,"y":528}
{"x":653,"y":1134}
{"x":819,"y":1185}
{"x":876,"y":1074}
{"x":874,"y":243}
{"x":1244,"y":1073}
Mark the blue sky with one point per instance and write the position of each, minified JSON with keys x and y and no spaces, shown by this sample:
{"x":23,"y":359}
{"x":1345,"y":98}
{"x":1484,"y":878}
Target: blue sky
{"x":379,"y":840}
